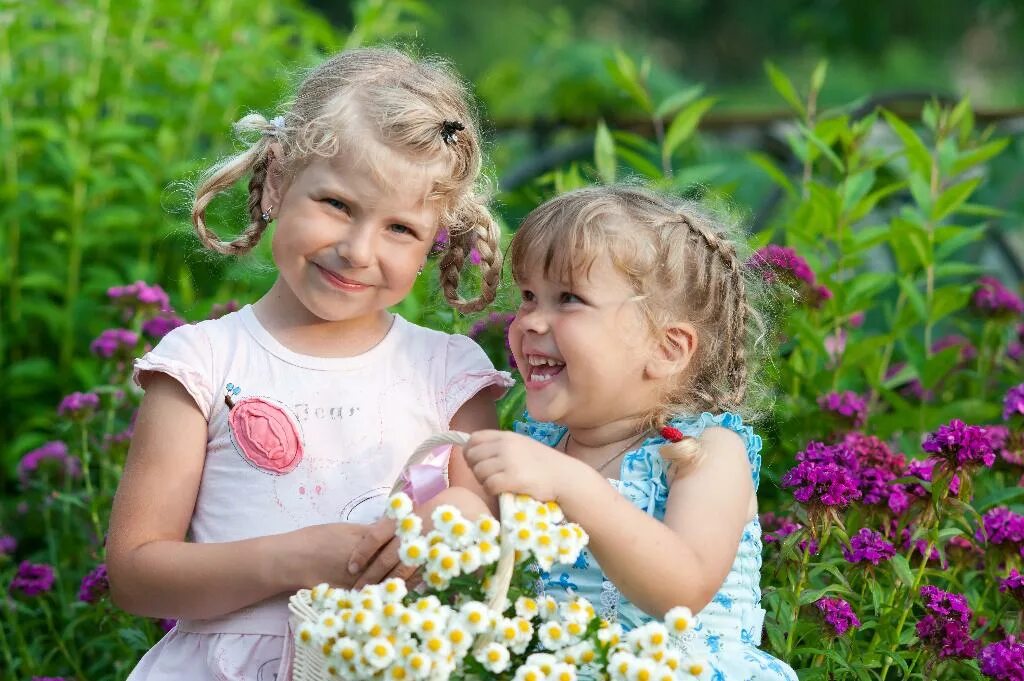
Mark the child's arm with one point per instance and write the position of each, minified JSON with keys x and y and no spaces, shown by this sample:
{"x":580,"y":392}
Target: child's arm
{"x":656,"y":565}
{"x":154,"y":571}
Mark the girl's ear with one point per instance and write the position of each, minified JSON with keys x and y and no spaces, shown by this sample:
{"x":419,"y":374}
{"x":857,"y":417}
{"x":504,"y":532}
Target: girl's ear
{"x":273,"y":185}
{"x":673,"y":352}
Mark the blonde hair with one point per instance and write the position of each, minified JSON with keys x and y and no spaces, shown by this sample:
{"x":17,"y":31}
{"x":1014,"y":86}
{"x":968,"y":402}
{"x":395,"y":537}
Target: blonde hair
{"x":356,"y":100}
{"x":683,"y":266}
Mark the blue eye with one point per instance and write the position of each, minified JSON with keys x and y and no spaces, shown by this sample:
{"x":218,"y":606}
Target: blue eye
{"x":335,"y":203}
{"x":400,"y":229}
{"x":567,"y":297}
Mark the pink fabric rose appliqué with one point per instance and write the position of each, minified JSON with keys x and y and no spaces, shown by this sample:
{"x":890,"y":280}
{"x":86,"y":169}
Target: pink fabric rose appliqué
{"x":266,"y":434}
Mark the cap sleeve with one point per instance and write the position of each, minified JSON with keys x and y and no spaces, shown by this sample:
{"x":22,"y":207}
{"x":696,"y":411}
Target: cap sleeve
{"x":186,"y":355}
{"x":468,"y":371}
{"x":694,"y":426}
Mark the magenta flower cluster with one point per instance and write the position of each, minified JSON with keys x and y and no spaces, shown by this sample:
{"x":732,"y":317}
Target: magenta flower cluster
{"x":847,"y":405}
{"x":94,"y":585}
{"x":960,"y":446}
{"x":115,"y":342}
{"x":78,"y":404}
{"x":1003,"y":660}
{"x":838,"y":614}
{"x":774,"y":260}
{"x":868,"y":546}
{"x":945,"y":628}
{"x":56,"y":453}
{"x":140,"y":295}
{"x":1013,"y":403}
{"x":32,"y":579}
{"x":1013,"y":585}
{"x":500,"y":321}
{"x":1001,"y":526}
{"x":822,"y":484}
{"x":159,"y":326}
{"x":993,"y":299}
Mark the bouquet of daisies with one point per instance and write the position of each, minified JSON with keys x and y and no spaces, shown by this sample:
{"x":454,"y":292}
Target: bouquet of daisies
{"x":477,"y":614}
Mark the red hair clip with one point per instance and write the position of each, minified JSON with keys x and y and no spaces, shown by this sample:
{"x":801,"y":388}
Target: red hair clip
{"x":672,"y":434}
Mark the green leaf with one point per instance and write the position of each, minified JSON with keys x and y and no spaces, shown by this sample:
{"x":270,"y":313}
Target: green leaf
{"x":952,"y":198}
{"x":973,"y":157}
{"x":902,"y":569}
{"x":624,"y":72}
{"x":914,"y":297}
{"x":768,"y":166}
{"x":919,"y":156}
{"x":999,"y":497}
{"x":824,"y":148}
{"x":676,"y":101}
{"x":784,"y":87}
{"x":818,"y":76}
{"x":951,"y":239}
{"x":856,"y":188}
{"x":684,"y":124}
{"x":947,"y":300}
{"x":604,"y":153}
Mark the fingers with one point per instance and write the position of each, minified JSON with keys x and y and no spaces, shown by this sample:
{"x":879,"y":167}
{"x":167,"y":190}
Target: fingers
{"x":373,"y":540}
{"x":487,"y":468}
{"x":384,"y":563}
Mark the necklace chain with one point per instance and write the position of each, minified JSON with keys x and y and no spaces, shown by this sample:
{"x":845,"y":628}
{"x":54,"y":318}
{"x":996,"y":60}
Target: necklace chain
{"x":631,"y":445}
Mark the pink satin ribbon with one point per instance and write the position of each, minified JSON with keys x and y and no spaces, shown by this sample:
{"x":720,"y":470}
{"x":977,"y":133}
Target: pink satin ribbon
{"x":423,"y":481}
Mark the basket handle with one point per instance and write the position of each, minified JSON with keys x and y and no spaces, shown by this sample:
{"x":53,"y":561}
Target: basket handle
{"x":507,"y":557}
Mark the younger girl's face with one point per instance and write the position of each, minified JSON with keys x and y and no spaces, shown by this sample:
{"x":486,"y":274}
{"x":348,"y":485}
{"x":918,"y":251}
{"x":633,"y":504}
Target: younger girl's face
{"x":347,"y":244}
{"x":582,"y":349}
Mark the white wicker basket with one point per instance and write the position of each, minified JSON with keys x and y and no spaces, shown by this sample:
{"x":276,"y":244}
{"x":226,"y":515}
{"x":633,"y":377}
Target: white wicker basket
{"x":309,"y":663}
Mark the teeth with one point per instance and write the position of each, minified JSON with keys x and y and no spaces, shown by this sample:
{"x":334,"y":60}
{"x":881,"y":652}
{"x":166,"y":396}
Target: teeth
{"x":538,"y":361}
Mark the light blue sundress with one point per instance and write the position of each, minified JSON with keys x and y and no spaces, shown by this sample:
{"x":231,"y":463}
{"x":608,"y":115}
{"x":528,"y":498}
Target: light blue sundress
{"x":730,"y":626}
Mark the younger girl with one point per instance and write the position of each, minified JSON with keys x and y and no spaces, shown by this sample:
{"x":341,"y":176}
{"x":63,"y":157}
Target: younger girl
{"x":268,"y":438}
{"x":632,"y":338}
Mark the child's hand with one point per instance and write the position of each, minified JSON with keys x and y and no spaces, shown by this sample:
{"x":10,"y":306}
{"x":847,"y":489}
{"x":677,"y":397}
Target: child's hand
{"x":510,"y":462}
{"x":375,"y":557}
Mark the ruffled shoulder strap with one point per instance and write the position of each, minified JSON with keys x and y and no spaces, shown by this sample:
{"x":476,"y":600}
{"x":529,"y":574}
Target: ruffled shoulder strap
{"x":546,"y":433}
{"x":694,"y":426}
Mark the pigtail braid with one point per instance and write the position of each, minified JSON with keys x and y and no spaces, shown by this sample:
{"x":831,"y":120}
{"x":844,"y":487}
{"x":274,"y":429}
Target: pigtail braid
{"x":254,"y":160}
{"x":477,"y":229}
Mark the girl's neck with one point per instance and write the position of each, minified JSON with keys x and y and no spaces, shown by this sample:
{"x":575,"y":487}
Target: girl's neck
{"x":596,"y":445}
{"x":296,"y":328}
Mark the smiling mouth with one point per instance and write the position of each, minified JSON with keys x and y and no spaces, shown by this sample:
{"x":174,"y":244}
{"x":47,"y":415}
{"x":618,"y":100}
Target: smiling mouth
{"x":542,"y":370}
{"x":340,"y":282}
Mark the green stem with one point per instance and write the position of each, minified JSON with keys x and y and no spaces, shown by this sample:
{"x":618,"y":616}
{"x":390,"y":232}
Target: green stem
{"x":906,"y":611}
{"x":8,"y":655}
{"x":26,"y":657}
{"x":10,"y":165}
{"x":791,"y":635}
{"x":87,"y":472}
{"x":59,"y":640}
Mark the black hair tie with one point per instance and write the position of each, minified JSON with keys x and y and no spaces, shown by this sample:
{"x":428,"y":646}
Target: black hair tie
{"x":449,"y":131}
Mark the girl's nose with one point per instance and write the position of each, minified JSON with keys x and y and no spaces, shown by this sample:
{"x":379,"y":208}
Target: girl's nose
{"x":532,"y":321}
{"x":356,"y":245}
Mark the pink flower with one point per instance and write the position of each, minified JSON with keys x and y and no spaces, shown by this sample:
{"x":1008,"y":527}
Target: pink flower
{"x":267,"y":435}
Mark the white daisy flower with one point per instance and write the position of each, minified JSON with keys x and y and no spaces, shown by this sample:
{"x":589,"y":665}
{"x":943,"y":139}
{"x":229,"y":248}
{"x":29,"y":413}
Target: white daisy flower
{"x":399,"y":671}
{"x":398,"y":506}
{"x":393,"y":590}
{"x":444,"y":561}
{"x":489,"y":551}
{"x":545,"y":662}
{"x":562,"y":672}
{"x":460,"y":533}
{"x":427,"y":604}
{"x":436,"y":647}
{"x":409,"y":526}
{"x":487,"y":527}
{"x":475,"y":616}
{"x":506,"y":632}
{"x":370,"y":598}
{"x":413,"y":551}
{"x":305,"y":634}
{"x":319,"y":593}
{"x":621,"y":666}
{"x":642,"y":670}
{"x":610,"y":635}
{"x":459,"y":637}
{"x":526,"y":607}
{"x":469,"y":560}
{"x":431,"y":623}
{"x":696,"y":668}
{"x":345,"y":649}
{"x":553,"y":636}
{"x":434,"y":537}
{"x":548,"y":607}
{"x":379,"y":652}
{"x":673,"y":659}
{"x":419,"y":665}
{"x":364,"y":621}
{"x":494,"y":657}
{"x":524,"y":538}
{"x":529,"y":672}
{"x":649,"y":637}
{"x":436,"y":580}
{"x":554,"y":512}
{"x":679,"y":620}
{"x":444,"y":516}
